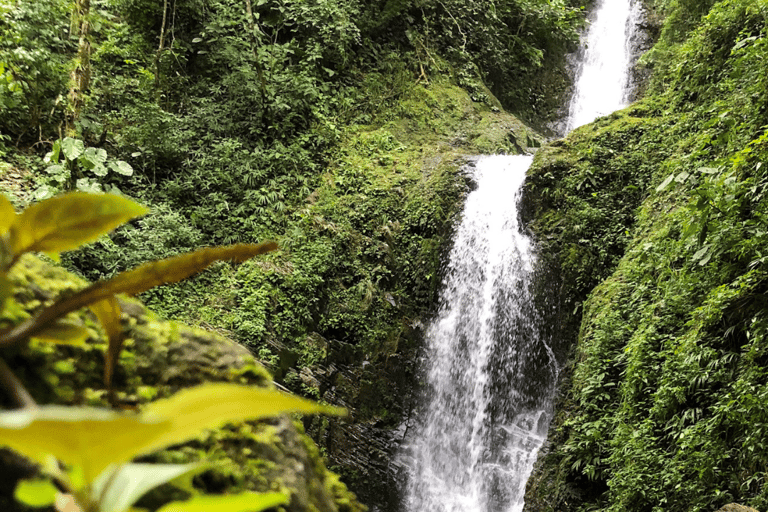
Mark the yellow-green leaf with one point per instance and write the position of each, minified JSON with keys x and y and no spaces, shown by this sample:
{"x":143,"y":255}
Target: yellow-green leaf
{"x":94,"y":439}
{"x":246,"y":502}
{"x":66,"y":222}
{"x":63,"y":333}
{"x":81,"y":436}
{"x":36,"y":493}
{"x":116,"y":491}
{"x":214,"y":404}
{"x":176,"y":268}
{"x":7,"y":215}
{"x":135,"y":281}
{"x":108,"y":312}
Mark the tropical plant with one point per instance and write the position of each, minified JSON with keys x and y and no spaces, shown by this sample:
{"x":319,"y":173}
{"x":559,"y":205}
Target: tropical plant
{"x":84,"y":452}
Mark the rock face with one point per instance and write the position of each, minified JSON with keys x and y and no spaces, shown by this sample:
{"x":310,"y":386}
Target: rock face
{"x":160,"y":358}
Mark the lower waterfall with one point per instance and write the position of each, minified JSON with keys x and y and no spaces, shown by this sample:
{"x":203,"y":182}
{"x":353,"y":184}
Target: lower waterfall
{"x":471,"y":451}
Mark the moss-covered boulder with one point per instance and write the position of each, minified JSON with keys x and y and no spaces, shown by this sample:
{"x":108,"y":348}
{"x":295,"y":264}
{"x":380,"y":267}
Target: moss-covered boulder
{"x":158,"y":359}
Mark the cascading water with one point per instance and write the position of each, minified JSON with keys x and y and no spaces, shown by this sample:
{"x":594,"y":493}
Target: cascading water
{"x":603,"y":79}
{"x":490,"y":375}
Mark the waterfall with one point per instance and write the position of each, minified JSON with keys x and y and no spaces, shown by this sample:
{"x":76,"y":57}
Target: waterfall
{"x":603,"y":74}
{"x":489,"y":373}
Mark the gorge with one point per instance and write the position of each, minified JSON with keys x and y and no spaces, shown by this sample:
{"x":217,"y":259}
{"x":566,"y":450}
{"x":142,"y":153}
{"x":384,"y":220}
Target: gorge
{"x":340,"y":128}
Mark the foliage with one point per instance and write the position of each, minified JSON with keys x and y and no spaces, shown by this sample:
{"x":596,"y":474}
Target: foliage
{"x":662,"y":410}
{"x":96,"y":445}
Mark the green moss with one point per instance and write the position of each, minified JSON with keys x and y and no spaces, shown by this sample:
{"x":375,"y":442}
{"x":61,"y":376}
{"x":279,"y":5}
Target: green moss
{"x":158,"y":359}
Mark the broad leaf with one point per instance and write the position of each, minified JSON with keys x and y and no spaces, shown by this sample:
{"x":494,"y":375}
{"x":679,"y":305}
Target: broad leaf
{"x":81,"y":436}
{"x":7,"y":215}
{"x":36,"y":493}
{"x":665,"y":183}
{"x":88,"y":185}
{"x":131,"y":481}
{"x":214,"y":404}
{"x":121,"y":167}
{"x":108,"y":312}
{"x":72,"y":148}
{"x":99,"y":170}
{"x":94,"y":439}
{"x":66,"y":222}
{"x":246,"y":502}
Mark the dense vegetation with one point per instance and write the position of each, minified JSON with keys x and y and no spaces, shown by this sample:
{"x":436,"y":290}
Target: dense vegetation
{"x":336,"y":127}
{"x":656,"y":217}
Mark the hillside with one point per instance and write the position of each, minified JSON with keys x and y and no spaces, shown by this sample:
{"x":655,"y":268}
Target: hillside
{"x":654,"y":220}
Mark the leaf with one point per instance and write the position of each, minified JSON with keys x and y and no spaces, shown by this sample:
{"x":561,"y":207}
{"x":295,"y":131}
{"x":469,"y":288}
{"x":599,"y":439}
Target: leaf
{"x":55,"y":169}
{"x":246,"y":502}
{"x":81,"y":436}
{"x":55,"y":151}
{"x":131,"y":481}
{"x":96,"y":155}
{"x":701,"y":252}
{"x":108,"y":312}
{"x":99,"y":170}
{"x":88,"y":185}
{"x":121,"y":167}
{"x":72,"y":148}
{"x":680,"y":178}
{"x":7,"y":215}
{"x":36,"y":493}
{"x":6,"y":291}
{"x":214,"y":404}
{"x":68,"y":221}
{"x":665,"y":183}
{"x":135,"y":281}
{"x":63,"y":333}
{"x":44,"y":192}
{"x":94,"y":438}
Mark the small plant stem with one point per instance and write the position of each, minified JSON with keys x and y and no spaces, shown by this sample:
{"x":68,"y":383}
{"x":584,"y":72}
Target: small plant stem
{"x":13,"y":385}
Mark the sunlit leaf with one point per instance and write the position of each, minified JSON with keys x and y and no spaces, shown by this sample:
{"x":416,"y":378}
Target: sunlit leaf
{"x":7,"y":215}
{"x":88,"y":185}
{"x":246,"y":502}
{"x":36,"y":493}
{"x":214,"y":404}
{"x":131,"y":481}
{"x":94,"y":439}
{"x":121,"y":167}
{"x":82,"y":436}
{"x":68,"y":221}
{"x":63,"y":333}
{"x":108,"y":312}
{"x":99,"y":170}
{"x":665,"y":183}
{"x":72,"y":148}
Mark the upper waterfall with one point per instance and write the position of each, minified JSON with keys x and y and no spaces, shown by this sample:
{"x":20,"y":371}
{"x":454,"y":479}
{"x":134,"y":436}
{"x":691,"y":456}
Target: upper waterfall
{"x":603,"y":76}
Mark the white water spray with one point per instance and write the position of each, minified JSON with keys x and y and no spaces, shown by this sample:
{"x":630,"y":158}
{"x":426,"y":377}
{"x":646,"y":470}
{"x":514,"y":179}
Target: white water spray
{"x":603,"y":80}
{"x":490,"y":376}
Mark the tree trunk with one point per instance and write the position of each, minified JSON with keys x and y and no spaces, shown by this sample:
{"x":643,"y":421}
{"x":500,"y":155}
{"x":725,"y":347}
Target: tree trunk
{"x":80,"y":77}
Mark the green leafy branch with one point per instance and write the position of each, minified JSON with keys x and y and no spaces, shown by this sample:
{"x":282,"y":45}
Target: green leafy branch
{"x":86,"y":452}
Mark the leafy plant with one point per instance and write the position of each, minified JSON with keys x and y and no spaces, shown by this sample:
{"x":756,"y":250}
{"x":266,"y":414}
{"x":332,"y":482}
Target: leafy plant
{"x":95,"y":446}
{"x":70,"y":160}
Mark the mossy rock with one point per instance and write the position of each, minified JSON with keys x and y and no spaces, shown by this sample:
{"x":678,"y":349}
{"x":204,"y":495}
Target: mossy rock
{"x":159,"y":358}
